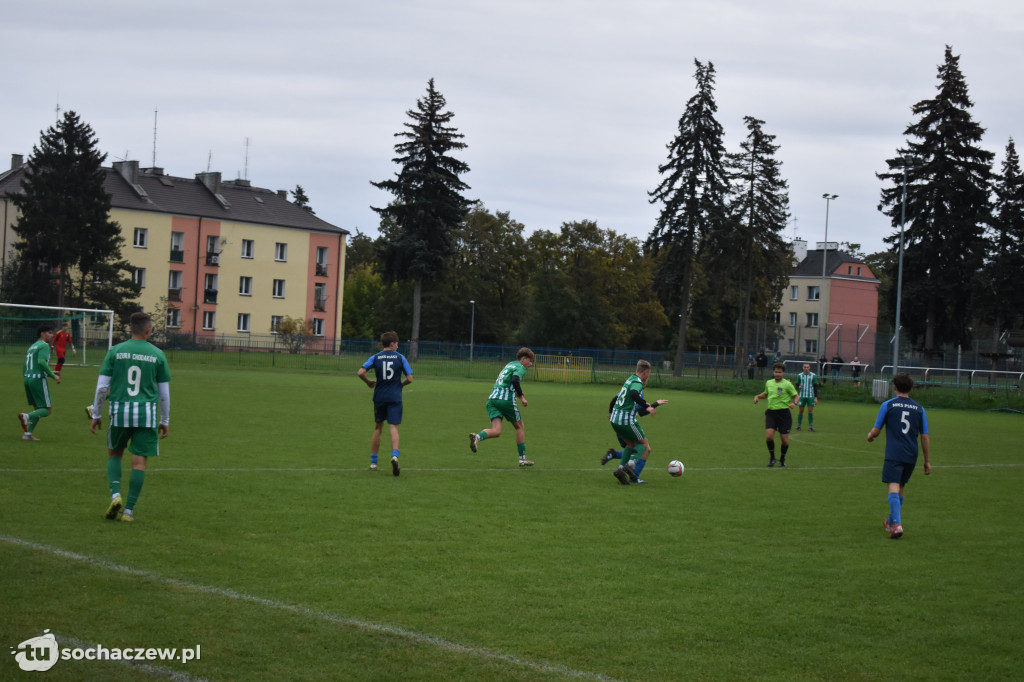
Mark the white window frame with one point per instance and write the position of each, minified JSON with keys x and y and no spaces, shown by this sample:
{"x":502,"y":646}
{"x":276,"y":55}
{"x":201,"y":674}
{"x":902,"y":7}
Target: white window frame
{"x":811,"y":346}
{"x":318,"y":326}
{"x":141,"y":239}
{"x":811,"y":291}
{"x":245,"y":286}
{"x":281,"y":252}
{"x":278,"y":289}
{"x":248,"y":248}
{"x":794,"y":292}
{"x":139,"y":277}
{"x":812,"y":320}
{"x":793,"y":321}
{"x":209,"y":320}
{"x":243,"y":322}
{"x":174,"y":278}
{"x":173,"y":318}
{"x":177,"y":241}
{"x":274,"y":321}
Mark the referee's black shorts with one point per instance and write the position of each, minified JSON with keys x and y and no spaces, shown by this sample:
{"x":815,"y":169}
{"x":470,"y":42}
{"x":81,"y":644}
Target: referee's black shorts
{"x":778,"y":420}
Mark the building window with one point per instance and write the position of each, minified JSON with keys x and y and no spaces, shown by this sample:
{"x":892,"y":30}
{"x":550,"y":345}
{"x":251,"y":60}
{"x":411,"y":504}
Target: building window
{"x":243,"y":322}
{"x":320,"y":297}
{"x":792,"y":320}
{"x":811,"y":346}
{"x":213,"y":249}
{"x":210,"y":289}
{"x":245,"y":286}
{"x":139,"y":277}
{"x":174,"y":285}
{"x":858,"y":271}
{"x":209,"y":320}
{"x":812,"y":319}
{"x":278,"y":288}
{"x":778,"y":319}
{"x":813,"y":293}
{"x":141,"y":237}
{"x":275,"y":321}
{"x":177,"y":247}
{"x":849,"y":269}
{"x":321,"y":261}
{"x":247,"y":248}
{"x":173,"y":318}
{"x":794,"y":293}
{"x":280,"y":251}
{"x":318,"y":326}
{"x":791,"y":346}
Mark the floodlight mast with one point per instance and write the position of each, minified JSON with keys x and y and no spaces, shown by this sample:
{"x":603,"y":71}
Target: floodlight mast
{"x":905,"y":162}
{"x":822,"y":320}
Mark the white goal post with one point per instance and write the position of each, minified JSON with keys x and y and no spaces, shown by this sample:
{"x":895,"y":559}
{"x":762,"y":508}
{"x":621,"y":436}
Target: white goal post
{"x":90,"y":327}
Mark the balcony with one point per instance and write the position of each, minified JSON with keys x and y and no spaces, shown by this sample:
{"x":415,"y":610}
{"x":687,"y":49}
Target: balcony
{"x":212,"y":258}
{"x":209,"y":296}
{"x":174,"y":294}
{"x":177,"y":256}
{"x":321,"y":269}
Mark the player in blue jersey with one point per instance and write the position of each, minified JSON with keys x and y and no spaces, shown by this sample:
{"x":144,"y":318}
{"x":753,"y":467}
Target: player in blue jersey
{"x":393,"y":373}
{"x":36,"y":370}
{"x":501,"y":404}
{"x":905,"y":422}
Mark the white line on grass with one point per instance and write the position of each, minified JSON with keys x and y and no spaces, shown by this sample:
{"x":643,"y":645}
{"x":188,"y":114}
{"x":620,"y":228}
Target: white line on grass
{"x":312,"y":613}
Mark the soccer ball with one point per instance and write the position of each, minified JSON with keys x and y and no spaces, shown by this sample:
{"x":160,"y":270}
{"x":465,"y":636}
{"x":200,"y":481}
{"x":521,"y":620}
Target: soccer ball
{"x":676,"y":468}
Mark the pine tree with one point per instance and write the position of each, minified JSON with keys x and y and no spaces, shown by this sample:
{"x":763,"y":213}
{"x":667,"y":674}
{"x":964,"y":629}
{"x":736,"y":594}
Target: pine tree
{"x":428,"y":203}
{"x":64,"y":220}
{"x":947,"y":210}
{"x":752,"y":257}
{"x":1000,"y":299}
{"x":692,"y":193}
{"x":299,"y":198}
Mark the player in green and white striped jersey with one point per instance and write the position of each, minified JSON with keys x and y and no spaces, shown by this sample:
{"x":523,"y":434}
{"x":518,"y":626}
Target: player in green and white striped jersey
{"x":136,"y":378}
{"x":501,"y":404}
{"x":807,"y":389}
{"x":37,"y":369}
{"x":623,"y":413}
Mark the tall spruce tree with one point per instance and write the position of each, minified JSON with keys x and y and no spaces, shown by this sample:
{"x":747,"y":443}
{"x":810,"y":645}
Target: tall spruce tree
{"x":1000,"y":300}
{"x":692,"y":192}
{"x":948,"y":208}
{"x":753,"y":255}
{"x":428,"y":203}
{"x":64,"y":218}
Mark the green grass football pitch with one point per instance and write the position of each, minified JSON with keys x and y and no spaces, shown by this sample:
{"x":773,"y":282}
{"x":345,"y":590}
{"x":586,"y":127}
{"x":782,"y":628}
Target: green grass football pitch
{"x":263,"y":538}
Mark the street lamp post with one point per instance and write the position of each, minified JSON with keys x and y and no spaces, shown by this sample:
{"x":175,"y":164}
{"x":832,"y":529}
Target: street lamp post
{"x":906,"y":162}
{"x":822,"y":320}
{"x":472,"y":325}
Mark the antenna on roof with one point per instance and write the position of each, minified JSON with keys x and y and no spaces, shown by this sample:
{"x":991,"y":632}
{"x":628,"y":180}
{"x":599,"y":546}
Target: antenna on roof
{"x":154,"y":138}
{"x":245,"y":176}
{"x":209,"y":158}
{"x":57,"y":109}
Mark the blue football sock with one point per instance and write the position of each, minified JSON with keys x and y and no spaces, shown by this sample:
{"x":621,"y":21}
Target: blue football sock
{"x":894,"y":507}
{"x":373,"y":458}
{"x":394,"y":453}
{"x":640,"y":464}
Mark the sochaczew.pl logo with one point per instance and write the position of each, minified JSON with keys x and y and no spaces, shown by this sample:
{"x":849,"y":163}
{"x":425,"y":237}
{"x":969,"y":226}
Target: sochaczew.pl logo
{"x":37,"y":654}
{"x":42,"y":653}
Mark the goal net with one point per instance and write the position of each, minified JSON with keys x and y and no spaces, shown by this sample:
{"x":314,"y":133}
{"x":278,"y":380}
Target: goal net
{"x":566,"y":369}
{"x":92,"y":331}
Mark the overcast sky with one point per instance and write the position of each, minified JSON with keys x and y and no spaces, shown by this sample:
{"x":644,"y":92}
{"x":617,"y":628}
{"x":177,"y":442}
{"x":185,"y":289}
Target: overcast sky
{"x":566,"y":105}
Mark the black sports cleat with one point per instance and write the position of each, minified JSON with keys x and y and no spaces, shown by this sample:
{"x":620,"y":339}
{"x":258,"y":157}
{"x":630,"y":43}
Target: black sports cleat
{"x":621,"y":475}
{"x":608,"y":456}
{"x":771,"y":462}
{"x":395,"y":469}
